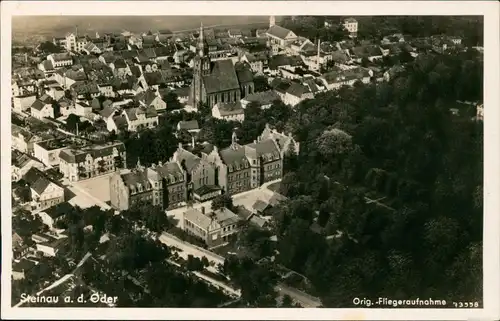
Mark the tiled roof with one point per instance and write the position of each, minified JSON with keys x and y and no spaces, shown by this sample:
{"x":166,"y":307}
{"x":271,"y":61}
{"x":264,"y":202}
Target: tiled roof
{"x":171,"y":172}
{"x":234,"y":157}
{"x":19,"y":159}
{"x":187,"y":158}
{"x":37,"y":180}
{"x":205,"y":189}
{"x":38,"y":105}
{"x":260,"y":205}
{"x":78,"y":155}
{"x":263,"y":97}
{"x":297,"y":90}
{"x":120,"y":63}
{"x":227,"y":109}
{"x":278,"y":31}
{"x":107,"y":111}
{"x":154,"y":78}
{"x":222,"y":78}
{"x":266,"y":149}
{"x":244,"y":74}
{"x":225,"y":216}
{"x":198,"y":218}
{"x":61,"y":56}
{"x":188,"y":124}
{"x":120,"y":122}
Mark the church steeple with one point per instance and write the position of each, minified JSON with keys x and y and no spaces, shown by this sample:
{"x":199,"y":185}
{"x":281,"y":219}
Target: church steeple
{"x":201,"y":42}
{"x":272,"y":21}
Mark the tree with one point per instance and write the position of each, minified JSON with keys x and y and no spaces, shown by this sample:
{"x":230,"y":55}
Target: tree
{"x":72,"y":121}
{"x":172,"y":101}
{"x":224,"y":200}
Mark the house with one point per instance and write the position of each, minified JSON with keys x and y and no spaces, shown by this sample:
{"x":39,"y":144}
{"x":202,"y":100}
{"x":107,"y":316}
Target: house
{"x":140,"y":118}
{"x":23,"y":102}
{"x":82,"y":109}
{"x":294,"y":93}
{"x":200,"y":174}
{"x":23,"y":87}
{"x":229,"y":111}
{"x":256,"y":62}
{"x":42,"y":108}
{"x":244,"y":167}
{"x":23,"y":140}
{"x":151,"y":98}
{"x":47,"y":68}
{"x":52,"y":215}
{"x":162,"y":184}
{"x":393,"y":72}
{"x":47,"y":151}
{"x":370,"y":52}
{"x":91,"y":161}
{"x":265,"y":99}
{"x":279,"y":38}
{"x":351,"y":25}
{"x":56,"y":92}
{"x":215,"y":228}
{"x":189,"y":125}
{"x":286,"y":142}
{"x":91,"y":48}
{"x":44,"y":192}
{"x":60,"y":59}
{"x":52,"y":247}
{"x":21,"y":268}
{"x":338,"y":78}
{"x":21,"y":163}
{"x":117,"y":123}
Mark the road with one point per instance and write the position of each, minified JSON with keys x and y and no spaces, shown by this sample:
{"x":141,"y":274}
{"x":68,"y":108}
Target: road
{"x":246,"y":199}
{"x":186,"y":249}
{"x":304,"y":299}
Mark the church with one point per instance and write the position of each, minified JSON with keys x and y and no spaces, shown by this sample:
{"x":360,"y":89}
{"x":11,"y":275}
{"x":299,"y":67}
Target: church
{"x":219,"y":81}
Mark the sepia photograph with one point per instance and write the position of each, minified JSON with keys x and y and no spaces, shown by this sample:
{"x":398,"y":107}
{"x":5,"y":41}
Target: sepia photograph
{"x":232,"y":162}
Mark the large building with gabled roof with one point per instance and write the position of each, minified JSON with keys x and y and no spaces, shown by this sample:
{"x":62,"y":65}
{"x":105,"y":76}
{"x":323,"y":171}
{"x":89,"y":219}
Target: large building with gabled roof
{"x":216,"y":81}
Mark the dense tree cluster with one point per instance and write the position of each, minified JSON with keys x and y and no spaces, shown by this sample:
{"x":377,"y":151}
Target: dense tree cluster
{"x":393,"y":179}
{"x":470,"y":28}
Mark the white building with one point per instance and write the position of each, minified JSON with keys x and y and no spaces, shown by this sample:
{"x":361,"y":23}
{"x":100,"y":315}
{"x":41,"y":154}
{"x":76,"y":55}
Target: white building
{"x":42,"y":108}
{"x":351,"y":25}
{"x":23,"y":103}
{"x":229,"y":111}
{"x":140,"y":118}
{"x":59,"y":60}
{"x":44,"y":192}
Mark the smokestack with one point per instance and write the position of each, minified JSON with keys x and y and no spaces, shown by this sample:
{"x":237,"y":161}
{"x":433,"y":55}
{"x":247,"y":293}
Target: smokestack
{"x":319,"y":49}
{"x":203,"y":210}
{"x":192,"y":141}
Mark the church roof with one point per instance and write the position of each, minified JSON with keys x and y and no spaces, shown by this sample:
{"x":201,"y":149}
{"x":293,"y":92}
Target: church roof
{"x":222,"y":78}
{"x":278,"y":31}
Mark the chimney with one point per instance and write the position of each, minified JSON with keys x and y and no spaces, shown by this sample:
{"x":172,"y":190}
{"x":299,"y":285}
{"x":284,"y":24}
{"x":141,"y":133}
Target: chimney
{"x":255,"y":141}
{"x":203,"y":210}
{"x":180,"y":146}
{"x":192,"y":141}
{"x":160,"y":163}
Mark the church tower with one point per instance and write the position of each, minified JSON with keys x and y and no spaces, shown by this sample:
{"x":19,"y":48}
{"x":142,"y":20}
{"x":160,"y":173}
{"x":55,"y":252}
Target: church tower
{"x":272,"y":21}
{"x":201,"y":68}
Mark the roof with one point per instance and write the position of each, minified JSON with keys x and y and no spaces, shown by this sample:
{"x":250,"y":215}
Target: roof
{"x":278,"y":31}
{"x":205,"y":189}
{"x":148,"y":112}
{"x":107,"y":111}
{"x":227,"y":109}
{"x":242,"y":212}
{"x":225,"y":216}
{"x":234,"y":157}
{"x":37,"y":180}
{"x":38,"y":105}
{"x":260,"y":205}
{"x":198,"y":218}
{"x":351,"y":20}
{"x":182,"y":92}
{"x":61,"y":56}
{"x":244,"y":74}
{"x":59,"y":210}
{"x":266,"y":149}
{"x":171,"y":172}
{"x":154,"y":78}
{"x":257,"y":220}
{"x":263,"y":97}
{"x":120,"y":122}
{"x":188,"y":124}
{"x":222,"y":78}
{"x":23,"y":265}
{"x":19,"y":159}
{"x":297,"y":90}
{"x":187,"y":158}
{"x":71,"y":155}
{"x":135,"y":178}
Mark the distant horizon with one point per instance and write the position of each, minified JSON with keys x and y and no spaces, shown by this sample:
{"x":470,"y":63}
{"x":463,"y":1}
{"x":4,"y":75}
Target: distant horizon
{"x":23,"y":26}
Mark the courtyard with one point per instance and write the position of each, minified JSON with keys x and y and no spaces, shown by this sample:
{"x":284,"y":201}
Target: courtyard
{"x":98,"y":186}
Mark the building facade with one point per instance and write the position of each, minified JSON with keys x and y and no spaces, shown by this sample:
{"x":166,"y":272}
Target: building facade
{"x":92,"y":161}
